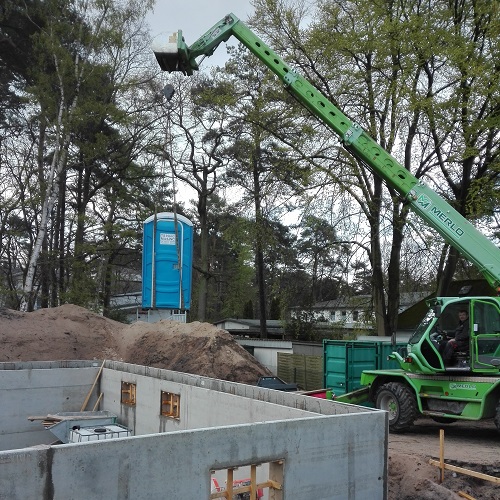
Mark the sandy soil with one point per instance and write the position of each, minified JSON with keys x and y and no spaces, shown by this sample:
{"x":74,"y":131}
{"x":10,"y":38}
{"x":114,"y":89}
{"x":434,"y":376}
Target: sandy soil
{"x":71,"y":332}
{"x":473,"y":446}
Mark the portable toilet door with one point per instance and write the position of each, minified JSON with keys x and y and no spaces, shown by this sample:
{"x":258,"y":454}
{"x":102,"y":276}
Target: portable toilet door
{"x":166,"y":282}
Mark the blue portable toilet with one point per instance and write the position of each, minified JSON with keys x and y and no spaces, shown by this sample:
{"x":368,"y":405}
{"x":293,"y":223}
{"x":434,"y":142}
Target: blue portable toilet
{"x":166,"y":282}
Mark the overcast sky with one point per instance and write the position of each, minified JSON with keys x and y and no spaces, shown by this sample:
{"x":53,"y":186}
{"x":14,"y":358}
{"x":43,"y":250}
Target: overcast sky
{"x":194,"y":18}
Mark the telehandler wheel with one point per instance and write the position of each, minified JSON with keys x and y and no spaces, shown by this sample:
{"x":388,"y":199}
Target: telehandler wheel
{"x":400,"y":402}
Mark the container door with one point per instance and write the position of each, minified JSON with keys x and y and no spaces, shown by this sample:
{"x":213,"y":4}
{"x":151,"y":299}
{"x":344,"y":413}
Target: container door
{"x":344,"y":362}
{"x":360,"y":357}
{"x":167,"y":266}
{"x":335,"y":367}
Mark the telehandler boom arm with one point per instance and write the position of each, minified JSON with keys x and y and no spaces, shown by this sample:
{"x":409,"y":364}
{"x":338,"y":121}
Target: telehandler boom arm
{"x":432,"y":208}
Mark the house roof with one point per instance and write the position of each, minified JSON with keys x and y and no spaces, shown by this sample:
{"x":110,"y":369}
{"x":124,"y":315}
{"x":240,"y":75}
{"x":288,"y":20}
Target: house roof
{"x":345,"y":301}
{"x":250,"y":326}
{"x":406,"y":299}
{"x":255,"y":323}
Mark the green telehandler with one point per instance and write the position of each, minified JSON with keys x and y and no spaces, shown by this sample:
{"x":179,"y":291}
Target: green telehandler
{"x":468,"y":387}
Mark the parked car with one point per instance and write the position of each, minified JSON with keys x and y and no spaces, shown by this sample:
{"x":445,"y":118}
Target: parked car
{"x":276,"y":383}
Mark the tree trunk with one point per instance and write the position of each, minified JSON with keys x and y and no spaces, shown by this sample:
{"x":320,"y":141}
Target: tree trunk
{"x":204,"y":258}
{"x":461,"y":192}
{"x":59,"y":285}
{"x":78,"y":264}
{"x":55,"y":171}
{"x":259,"y":253}
{"x":45,"y":275}
{"x":394,"y":269}
{"x":378,"y":289}
{"x":108,"y":260}
{"x":45,"y":266}
{"x":446,"y":277}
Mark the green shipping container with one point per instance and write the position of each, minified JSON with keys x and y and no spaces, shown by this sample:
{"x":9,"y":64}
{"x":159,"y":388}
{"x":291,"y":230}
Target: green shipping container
{"x":344,"y":361}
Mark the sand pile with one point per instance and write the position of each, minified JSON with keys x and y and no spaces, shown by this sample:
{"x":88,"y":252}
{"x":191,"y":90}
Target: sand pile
{"x":72,"y":332}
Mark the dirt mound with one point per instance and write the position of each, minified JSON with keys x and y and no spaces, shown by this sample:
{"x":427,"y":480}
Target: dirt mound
{"x":412,"y":478}
{"x":472,"y":446}
{"x":72,"y":332}
{"x":198,"y":348}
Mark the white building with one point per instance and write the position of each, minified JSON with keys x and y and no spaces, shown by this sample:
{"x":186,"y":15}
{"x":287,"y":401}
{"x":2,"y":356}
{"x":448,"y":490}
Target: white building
{"x":351,"y":312}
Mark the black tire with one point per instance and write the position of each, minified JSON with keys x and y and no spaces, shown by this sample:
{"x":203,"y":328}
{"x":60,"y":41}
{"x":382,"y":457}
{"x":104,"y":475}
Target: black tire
{"x":397,"y":399}
{"x":444,"y":420}
{"x":497,"y":416}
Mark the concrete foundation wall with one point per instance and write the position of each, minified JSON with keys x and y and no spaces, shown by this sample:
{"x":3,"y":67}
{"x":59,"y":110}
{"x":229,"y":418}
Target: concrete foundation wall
{"x":205,"y":402}
{"x":347,"y":465}
{"x":329,"y":450}
{"x":199,"y":406}
{"x":37,"y":390}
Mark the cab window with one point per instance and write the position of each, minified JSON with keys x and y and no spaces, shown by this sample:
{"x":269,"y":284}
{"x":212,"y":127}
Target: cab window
{"x":486,"y":329}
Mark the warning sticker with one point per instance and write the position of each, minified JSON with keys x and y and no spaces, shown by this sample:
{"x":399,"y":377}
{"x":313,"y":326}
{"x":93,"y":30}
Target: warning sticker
{"x":167,"y":239}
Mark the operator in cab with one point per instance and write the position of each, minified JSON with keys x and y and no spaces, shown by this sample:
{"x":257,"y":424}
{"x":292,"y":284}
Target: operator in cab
{"x":458,"y":340}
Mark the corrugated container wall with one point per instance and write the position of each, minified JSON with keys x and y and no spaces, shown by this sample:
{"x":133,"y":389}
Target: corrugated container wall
{"x":343,"y":362}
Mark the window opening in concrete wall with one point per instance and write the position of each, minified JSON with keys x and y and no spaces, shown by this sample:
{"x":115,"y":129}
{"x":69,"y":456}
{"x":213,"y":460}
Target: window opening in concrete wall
{"x":170,"y":404}
{"x":248,"y":488}
{"x":128,"y":393}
